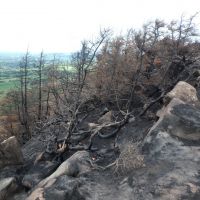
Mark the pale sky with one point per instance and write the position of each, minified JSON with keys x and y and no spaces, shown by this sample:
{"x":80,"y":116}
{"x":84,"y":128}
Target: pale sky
{"x":60,"y":25}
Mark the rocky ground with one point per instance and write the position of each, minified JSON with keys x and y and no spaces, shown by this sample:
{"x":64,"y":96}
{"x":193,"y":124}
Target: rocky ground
{"x":147,"y":159}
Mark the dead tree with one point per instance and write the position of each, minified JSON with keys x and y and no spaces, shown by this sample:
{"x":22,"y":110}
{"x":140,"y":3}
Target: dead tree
{"x":181,"y":32}
{"x":24,"y":65}
{"x":40,"y":67}
{"x":145,"y":41}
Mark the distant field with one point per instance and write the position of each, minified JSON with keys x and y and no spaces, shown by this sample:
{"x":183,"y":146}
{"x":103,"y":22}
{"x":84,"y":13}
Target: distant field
{"x":9,"y":68}
{"x":9,"y":78}
{"x":67,"y":67}
{"x":6,"y":85}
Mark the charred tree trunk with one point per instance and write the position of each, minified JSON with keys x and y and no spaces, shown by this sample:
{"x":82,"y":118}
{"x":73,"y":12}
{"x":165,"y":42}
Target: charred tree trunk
{"x":40,"y":68}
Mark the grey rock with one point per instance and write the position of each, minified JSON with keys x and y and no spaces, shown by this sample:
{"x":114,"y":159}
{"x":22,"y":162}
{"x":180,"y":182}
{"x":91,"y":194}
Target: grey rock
{"x":175,"y":168}
{"x":38,"y":172}
{"x":8,"y":187}
{"x":172,"y":155}
{"x":106,"y":118}
{"x":66,"y":188}
{"x":184,"y":92}
{"x":179,"y":119}
{"x":63,"y":188}
{"x":32,"y":148}
{"x":76,"y":165}
{"x":10,"y":152}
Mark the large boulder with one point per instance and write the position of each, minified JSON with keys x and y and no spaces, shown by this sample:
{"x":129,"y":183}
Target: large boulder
{"x":179,"y":119}
{"x":172,"y":151}
{"x":10,"y":152}
{"x":172,"y":168}
{"x":184,"y":92}
{"x":76,"y":165}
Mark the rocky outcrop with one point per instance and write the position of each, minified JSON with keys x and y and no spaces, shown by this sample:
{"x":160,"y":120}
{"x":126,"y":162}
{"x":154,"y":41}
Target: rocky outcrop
{"x":10,"y":152}
{"x":172,"y":148}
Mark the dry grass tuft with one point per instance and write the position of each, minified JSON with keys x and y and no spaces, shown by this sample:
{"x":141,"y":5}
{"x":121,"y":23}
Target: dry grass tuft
{"x":129,"y":159}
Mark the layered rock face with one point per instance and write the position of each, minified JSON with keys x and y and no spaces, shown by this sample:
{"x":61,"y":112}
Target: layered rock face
{"x":173,"y":145}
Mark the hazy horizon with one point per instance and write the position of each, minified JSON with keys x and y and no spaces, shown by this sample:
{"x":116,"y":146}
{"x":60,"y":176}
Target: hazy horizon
{"x":60,"y":25}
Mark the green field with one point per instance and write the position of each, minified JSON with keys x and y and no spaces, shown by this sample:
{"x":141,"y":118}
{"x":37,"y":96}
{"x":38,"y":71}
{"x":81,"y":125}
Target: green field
{"x":9,"y":69}
{"x":9,"y":77}
{"x":6,"y":85}
{"x":8,"y":80}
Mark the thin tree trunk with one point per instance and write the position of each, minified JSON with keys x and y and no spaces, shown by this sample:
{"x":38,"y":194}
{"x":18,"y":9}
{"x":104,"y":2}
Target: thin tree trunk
{"x":40,"y":86}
